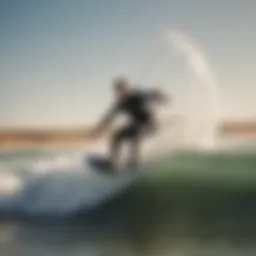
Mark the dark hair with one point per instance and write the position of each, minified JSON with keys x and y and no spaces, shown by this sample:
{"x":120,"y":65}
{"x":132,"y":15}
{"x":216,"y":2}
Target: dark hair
{"x":120,"y":87}
{"x":120,"y":84}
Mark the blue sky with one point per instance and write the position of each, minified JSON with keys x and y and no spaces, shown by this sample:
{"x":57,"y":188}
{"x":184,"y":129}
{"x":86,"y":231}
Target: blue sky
{"x":59,"y":56}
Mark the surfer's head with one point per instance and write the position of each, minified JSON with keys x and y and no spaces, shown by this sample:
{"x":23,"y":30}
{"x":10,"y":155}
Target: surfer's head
{"x":121,"y":87}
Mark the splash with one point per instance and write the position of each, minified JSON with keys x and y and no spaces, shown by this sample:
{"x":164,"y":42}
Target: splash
{"x":198,"y":112}
{"x":202,"y":103}
{"x":57,"y":187}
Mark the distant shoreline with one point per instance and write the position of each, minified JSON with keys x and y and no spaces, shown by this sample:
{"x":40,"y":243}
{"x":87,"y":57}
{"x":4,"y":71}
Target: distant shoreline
{"x":33,"y":138}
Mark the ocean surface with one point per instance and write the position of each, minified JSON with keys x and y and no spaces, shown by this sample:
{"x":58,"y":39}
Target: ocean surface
{"x":189,"y":203}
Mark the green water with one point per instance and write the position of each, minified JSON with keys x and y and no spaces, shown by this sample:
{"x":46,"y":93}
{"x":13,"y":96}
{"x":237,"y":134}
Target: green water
{"x":191,"y":204}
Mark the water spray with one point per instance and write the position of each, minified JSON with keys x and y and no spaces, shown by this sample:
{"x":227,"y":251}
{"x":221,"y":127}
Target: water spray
{"x":200,"y":111}
{"x":203,"y":106}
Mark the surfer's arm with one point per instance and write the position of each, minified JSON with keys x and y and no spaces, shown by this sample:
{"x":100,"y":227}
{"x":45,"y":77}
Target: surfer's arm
{"x":107,"y":119}
{"x":156,"y":96}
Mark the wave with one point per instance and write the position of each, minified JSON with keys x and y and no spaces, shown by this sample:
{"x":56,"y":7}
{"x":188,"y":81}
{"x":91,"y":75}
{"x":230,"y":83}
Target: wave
{"x":62,"y":184}
{"x":58,"y":186}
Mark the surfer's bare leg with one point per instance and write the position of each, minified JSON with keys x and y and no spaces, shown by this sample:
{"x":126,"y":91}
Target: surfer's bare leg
{"x":115,"y":147}
{"x":134,"y":157}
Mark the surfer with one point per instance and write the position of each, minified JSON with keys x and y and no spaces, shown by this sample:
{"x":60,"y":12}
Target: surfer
{"x":136,"y":105}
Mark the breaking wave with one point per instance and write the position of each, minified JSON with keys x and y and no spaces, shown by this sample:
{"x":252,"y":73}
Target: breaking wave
{"x":56,"y":185}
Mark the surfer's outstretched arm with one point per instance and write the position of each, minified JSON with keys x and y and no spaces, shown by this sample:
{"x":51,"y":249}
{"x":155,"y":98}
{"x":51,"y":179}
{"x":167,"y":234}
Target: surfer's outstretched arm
{"x":107,"y":119}
{"x":157,"y":96}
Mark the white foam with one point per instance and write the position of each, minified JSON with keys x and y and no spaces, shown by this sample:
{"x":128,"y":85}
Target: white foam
{"x":202,"y":106}
{"x":9,"y":184}
{"x":57,"y":190}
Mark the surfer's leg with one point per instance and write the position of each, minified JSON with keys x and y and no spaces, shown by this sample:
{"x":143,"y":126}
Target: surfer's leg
{"x":138,"y":134}
{"x":134,"y":138}
{"x":127,"y":133}
{"x":134,"y":157}
{"x":115,"y":146}
{"x":116,"y":142}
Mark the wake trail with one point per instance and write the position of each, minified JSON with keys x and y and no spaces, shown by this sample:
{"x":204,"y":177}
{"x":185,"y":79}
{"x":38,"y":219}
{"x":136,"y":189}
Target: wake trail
{"x":58,"y":190}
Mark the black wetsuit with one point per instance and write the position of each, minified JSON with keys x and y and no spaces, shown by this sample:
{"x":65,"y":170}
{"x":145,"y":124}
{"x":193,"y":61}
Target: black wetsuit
{"x":137,"y":107}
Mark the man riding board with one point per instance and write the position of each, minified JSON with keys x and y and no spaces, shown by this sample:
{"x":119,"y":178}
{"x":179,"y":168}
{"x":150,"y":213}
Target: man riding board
{"x":136,"y":105}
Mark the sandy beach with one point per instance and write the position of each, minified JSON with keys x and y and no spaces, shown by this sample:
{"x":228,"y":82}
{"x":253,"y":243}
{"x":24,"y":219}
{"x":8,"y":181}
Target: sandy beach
{"x":80,"y":137}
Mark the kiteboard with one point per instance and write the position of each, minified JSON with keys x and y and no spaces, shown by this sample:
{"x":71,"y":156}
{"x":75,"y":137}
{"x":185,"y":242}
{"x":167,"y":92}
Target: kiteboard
{"x":103,"y":165}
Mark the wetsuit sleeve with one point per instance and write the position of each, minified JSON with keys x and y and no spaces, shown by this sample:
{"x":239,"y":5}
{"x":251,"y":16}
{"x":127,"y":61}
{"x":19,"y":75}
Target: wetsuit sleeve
{"x":154,"y":95}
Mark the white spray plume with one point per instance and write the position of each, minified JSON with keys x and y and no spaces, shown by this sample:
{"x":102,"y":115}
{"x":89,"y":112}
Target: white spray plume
{"x":199,"y":106}
{"x":203,"y":97}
